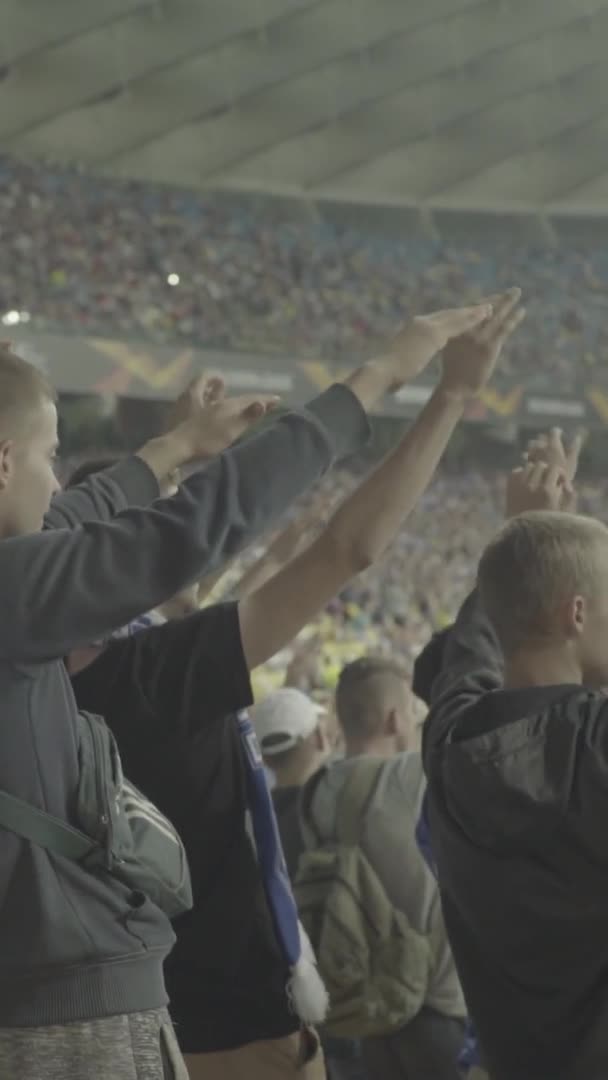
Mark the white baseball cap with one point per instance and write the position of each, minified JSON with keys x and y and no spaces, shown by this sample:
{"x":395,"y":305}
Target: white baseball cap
{"x":284,"y":719}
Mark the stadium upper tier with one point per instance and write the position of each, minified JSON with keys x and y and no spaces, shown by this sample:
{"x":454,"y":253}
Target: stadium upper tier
{"x":98,"y":256}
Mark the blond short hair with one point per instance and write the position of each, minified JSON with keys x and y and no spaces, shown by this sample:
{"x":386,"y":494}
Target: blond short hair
{"x":22,"y":386}
{"x":538,"y":560}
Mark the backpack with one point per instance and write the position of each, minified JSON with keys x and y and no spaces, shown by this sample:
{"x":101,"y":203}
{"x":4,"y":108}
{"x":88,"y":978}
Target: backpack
{"x":122,"y":833}
{"x":375,"y":965}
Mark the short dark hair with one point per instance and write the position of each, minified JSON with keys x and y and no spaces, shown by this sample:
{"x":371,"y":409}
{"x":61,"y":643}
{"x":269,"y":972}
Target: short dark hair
{"x":362,"y":691}
{"x":21,"y":384}
{"x":89,"y":468}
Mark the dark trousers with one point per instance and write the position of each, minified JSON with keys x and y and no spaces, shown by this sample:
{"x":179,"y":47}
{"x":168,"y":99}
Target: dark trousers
{"x":425,"y":1049}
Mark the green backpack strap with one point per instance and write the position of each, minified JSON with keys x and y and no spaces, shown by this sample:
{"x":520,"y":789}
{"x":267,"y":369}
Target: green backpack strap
{"x":355,"y":798}
{"x":43,"y":829}
{"x":310,"y":834}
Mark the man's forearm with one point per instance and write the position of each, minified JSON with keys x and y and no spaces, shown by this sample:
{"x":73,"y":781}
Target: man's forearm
{"x":372,"y":381}
{"x":369,"y":519}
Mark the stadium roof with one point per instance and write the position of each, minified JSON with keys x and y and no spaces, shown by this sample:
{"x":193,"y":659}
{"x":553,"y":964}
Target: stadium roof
{"x":456,"y":104}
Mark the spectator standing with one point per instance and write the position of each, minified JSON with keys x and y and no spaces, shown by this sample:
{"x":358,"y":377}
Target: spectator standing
{"x":379,"y":720}
{"x":291,"y":730}
{"x":515,"y":755}
{"x":81,"y":947}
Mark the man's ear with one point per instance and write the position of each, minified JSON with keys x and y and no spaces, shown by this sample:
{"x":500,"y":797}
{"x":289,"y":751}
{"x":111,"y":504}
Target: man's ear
{"x":320,"y":737}
{"x":6,"y":462}
{"x":578,"y":614}
{"x":391,"y":723}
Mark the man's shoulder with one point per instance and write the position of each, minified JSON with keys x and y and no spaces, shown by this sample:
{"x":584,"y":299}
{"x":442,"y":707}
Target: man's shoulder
{"x":537,"y":705}
{"x":401,"y":781}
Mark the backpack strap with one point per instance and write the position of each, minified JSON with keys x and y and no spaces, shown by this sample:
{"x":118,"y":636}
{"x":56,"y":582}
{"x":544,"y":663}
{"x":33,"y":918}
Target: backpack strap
{"x":44,"y":829}
{"x":355,"y":797}
{"x":310,"y":834}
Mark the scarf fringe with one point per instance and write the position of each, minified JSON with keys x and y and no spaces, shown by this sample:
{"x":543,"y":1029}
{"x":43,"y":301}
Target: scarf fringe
{"x":305,"y":988}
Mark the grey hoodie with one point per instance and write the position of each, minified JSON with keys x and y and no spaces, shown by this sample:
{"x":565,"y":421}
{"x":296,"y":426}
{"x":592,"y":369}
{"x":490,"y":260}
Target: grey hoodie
{"x":76,"y":945}
{"x":389,"y":842}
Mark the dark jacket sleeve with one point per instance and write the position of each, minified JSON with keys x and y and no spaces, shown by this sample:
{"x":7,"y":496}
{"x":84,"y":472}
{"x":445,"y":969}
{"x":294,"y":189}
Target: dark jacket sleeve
{"x":64,"y":588}
{"x":471,"y":667}
{"x":103,"y":495}
{"x":181,"y":674}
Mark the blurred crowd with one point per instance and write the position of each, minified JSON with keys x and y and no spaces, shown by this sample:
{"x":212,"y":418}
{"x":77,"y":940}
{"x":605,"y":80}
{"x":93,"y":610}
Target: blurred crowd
{"x":125,"y":258}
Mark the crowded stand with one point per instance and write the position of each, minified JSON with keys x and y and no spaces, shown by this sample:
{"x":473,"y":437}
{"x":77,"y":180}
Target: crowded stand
{"x":105,"y":257}
{"x":303,"y":766}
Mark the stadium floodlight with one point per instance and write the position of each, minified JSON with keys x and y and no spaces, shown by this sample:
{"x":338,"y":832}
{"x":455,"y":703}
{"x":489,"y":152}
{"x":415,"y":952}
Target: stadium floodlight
{"x":173,"y":279}
{"x":24,"y":316}
{"x":11,"y":318}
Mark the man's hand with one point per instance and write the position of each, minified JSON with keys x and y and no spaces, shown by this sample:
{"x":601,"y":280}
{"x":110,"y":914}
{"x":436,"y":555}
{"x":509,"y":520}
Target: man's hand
{"x":550,"y":450}
{"x":536,"y":486}
{"x":418,"y":341}
{"x":469,"y":359}
{"x":422,"y":337}
{"x":205,"y":421}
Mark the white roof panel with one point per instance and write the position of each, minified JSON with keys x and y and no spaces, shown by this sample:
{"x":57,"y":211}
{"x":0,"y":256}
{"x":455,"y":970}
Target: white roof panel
{"x":451,"y":103}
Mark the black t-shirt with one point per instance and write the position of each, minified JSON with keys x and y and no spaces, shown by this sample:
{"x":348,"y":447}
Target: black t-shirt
{"x":286,"y":805}
{"x":169,"y":695}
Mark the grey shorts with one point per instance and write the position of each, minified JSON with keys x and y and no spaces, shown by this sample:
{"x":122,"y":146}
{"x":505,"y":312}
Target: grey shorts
{"x":138,"y":1046}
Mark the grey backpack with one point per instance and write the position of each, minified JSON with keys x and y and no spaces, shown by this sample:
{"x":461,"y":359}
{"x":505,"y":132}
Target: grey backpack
{"x":122,"y":833}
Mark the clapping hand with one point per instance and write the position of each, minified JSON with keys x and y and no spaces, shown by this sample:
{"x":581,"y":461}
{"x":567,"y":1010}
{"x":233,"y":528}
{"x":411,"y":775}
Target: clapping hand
{"x":205,"y":421}
{"x":545,"y":481}
{"x":469,"y":359}
{"x":536,"y":486}
{"x":549,"y":450}
{"x":422,"y":337}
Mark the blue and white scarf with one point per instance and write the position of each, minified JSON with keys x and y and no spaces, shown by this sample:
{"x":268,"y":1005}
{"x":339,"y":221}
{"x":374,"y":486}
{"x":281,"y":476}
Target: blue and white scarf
{"x":307,"y":994}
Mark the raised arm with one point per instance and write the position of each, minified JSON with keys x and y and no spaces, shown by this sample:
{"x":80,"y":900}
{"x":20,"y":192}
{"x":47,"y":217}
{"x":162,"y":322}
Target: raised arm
{"x":471,"y":667}
{"x":202,"y":422}
{"x":367,"y":522}
{"x":103,"y":495}
{"x":66,"y":588}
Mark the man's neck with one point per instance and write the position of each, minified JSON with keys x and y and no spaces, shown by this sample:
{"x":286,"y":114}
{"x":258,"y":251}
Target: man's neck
{"x":379,"y":747}
{"x":541,"y":665}
{"x":295,"y":775}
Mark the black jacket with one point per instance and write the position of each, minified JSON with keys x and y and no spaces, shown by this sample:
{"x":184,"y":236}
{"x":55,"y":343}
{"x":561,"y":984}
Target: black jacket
{"x":73,"y":945}
{"x":518,"y":804}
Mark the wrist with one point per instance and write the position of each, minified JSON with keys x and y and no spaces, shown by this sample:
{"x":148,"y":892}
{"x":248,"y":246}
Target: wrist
{"x":453,"y":396}
{"x":166,"y":453}
{"x":373,"y":380}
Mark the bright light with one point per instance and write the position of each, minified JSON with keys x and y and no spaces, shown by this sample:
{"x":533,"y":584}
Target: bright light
{"x":173,"y":279}
{"x":24,"y":316}
{"x":11,"y":318}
